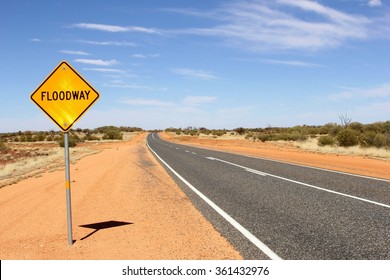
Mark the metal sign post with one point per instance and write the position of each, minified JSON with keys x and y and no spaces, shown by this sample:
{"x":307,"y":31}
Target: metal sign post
{"x":64,"y":96}
{"x":67,"y":186}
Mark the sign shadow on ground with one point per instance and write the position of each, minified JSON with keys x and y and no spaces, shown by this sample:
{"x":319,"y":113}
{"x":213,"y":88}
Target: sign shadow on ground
{"x":103,"y":225}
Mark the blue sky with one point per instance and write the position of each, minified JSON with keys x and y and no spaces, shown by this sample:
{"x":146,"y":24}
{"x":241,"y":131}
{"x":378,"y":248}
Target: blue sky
{"x":214,"y":64}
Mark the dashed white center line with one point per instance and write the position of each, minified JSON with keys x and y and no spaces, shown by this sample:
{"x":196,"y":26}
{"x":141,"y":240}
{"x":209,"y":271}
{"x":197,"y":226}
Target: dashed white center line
{"x":259,"y":244}
{"x":299,"y":183}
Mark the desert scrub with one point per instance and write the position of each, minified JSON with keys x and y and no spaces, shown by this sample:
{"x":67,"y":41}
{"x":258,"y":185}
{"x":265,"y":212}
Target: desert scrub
{"x":347,"y":138}
{"x":113,"y":134}
{"x":326,"y":140}
{"x":3,"y":147}
{"x":71,"y":139}
{"x":380,"y":140}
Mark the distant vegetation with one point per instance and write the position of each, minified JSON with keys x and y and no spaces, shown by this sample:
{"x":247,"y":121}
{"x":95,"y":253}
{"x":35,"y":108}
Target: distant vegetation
{"x":346,"y":134}
{"x":75,"y":136}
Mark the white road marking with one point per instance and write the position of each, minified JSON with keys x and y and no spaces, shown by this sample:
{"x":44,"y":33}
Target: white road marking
{"x":264,"y":248}
{"x":193,"y":153}
{"x":255,"y":172}
{"x":301,"y":183}
{"x":187,"y":151}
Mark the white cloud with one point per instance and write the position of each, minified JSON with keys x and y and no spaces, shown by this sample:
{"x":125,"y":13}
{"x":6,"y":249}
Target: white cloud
{"x":196,"y":74}
{"x":380,"y":91}
{"x":74,"y":52}
{"x":110,"y":43}
{"x":124,"y":85}
{"x":284,"y":25}
{"x":292,"y":63}
{"x":138,"y":55}
{"x":105,"y":70}
{"x":35,"y":40}
{"x":114,"y":28}
{"x":374,"y":3}
{"x":198,"y":100}
{"x":98,"y":62}
{"x":147,"y":102}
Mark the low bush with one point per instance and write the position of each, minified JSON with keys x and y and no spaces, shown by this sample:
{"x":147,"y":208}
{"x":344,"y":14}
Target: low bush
{"x":366,"y":139}
{"x":71,"y":139}
{"x":347,"y":138}
{"x":326,"y":140}
{"x":3,"y":147}
{"x":113,"y":134}
{"x":380,"y":140}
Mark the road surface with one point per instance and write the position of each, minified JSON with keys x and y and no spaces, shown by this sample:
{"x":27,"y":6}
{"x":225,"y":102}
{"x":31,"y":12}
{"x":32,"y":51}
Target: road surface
{"x":273,"y":210}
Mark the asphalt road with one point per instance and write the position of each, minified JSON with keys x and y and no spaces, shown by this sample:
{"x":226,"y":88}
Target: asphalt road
{"x":273,"y":210}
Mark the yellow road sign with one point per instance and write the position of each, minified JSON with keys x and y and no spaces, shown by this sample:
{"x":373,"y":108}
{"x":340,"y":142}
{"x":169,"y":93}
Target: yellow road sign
{"x":64,"y":96}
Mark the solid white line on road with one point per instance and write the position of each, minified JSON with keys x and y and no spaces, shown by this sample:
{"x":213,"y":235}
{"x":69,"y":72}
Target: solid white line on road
{"x":301,"y":183}
{"x":264,"y":248}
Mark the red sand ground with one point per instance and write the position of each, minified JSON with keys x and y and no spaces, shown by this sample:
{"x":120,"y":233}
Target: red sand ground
{"x":122,"y":183}
{"x":351,"y":164}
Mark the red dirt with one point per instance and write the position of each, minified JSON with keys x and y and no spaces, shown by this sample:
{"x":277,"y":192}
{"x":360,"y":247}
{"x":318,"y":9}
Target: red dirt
{"x":351,"y":164}
{"x":142,"y":213}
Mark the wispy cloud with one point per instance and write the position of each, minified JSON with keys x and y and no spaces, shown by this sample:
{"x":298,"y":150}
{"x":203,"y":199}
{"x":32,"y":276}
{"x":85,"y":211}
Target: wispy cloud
{"x":146,"y":102}
{"x":194,"y":74}
{"x":105,"y":70}
{"x":35,"y":40}
{"x":374,"y":3}
{"x":138,"y":55}
{"x":126,"y":85}
{"x":284,"y":25}
{"x":380,"y":91}
{"x":109,"y":43}
{"x":74,"y":52}
{"x":292,"y":63}
{"x":114,"y":28}
{"x":98,"y":62}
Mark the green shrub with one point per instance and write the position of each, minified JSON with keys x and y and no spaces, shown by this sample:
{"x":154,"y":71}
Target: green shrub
{"x":347,"y":138}
{"x":380,"y":140}
{"x":71,"y":139}
{"x":240,"y":130}
{"x":218,"y":132}
{"x":91,"y":137}
{"x":326,"y":140}
{"x":264,"y":137}
{"x":113,"y":134}
{"x":356,"y":126}
{"x":366,"y":139}
{"x":3,"y":147}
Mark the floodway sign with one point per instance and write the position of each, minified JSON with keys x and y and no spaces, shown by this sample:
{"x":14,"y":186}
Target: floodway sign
{"x":64,"y":96}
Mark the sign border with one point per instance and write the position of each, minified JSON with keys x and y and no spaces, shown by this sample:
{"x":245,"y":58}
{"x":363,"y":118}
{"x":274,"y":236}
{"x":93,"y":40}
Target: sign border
{"x":48,"y":77}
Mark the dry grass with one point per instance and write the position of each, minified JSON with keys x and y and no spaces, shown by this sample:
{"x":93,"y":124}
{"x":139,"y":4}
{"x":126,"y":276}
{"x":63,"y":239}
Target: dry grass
{"x":308,"y":145}
{"x":23,"y":160}
{"x":311,"y":145}
{"x":26,"y":160}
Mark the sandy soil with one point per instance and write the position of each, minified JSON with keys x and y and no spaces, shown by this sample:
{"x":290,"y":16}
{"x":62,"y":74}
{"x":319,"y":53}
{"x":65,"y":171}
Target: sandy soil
{"x":125,"y":206}
{"x":288,"y":152}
